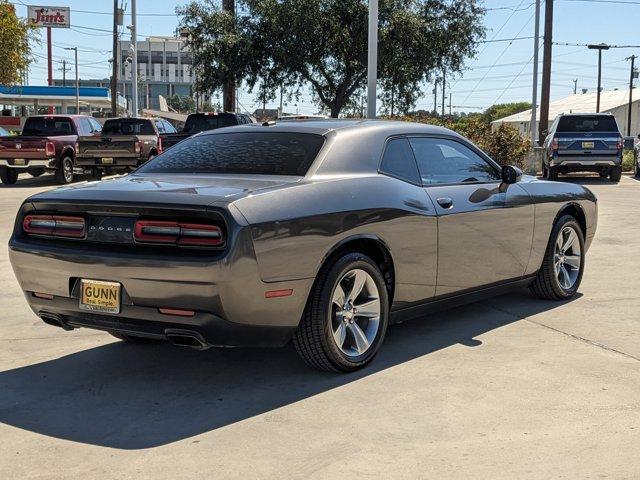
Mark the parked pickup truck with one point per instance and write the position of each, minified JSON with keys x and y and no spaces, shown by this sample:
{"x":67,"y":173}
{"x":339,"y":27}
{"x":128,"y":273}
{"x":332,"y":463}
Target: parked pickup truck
{"x":47,"y":143}
{"x":125,"y":143}
{"x":201,"y":122}
{"x":588,"y":142}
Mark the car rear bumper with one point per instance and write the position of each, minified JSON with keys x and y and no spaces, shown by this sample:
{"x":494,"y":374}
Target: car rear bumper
{"x":225,"y":293}
{"x":115,"y":163}
{"x":210,"y":329}
{"x":581,"y":161}
{"x":28,"y":163}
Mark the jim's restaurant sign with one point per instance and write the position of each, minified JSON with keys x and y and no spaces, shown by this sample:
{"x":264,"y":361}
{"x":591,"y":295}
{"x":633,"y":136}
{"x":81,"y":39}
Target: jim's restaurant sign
{"x":56,"y":17}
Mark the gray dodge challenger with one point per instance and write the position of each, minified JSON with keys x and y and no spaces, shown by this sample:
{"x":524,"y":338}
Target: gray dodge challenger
{"x":317,"y":232}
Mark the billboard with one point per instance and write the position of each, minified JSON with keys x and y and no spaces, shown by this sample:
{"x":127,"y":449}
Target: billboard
{"x":56,"y":17}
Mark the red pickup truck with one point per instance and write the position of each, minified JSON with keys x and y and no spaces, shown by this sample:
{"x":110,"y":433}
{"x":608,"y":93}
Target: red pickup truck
{"x":47,"y":143}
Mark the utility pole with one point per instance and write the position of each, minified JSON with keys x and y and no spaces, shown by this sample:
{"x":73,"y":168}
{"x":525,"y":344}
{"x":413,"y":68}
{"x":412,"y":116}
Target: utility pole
{"x":372,"y":59}
{"x":229,"y":103}
{"x":449,"y":102}
{"x":534,"y":94}
{"x":629,"y":108}
{"x":75,"y":52}
{"x":543,"y":125}
{"x":114,"y":71}
{"x":64,"y":69}
{"x":600,"y":47}
{"x":134,"y":60}
{"x":575,"y":86}
{"x":444,"y":85}
{"x":49,"y":65}
{"x":435,"y":97}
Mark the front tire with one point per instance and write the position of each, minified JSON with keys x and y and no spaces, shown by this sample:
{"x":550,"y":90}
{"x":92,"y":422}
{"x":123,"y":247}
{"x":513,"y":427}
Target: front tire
{"x":346,"y":317}
{"x":64,"y":172}
{"x":8,"y":176}
{"x":563,"y":263}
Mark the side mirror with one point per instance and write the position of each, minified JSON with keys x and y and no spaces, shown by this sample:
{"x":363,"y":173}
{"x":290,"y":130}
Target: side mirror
{"x":511,"y":174}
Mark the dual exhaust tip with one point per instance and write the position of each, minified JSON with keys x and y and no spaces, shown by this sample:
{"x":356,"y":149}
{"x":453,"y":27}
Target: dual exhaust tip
{"x":181,"y":338}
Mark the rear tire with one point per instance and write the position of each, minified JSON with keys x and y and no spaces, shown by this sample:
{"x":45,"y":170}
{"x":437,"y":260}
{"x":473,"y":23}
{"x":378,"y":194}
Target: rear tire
{"x":637,"y":169}
{"x":615,"y":174}
{"x":545,"y":171}
{"x":553,"y":173}
{"x":561,"y":272}
{"x":96,"y":174}
{"x":133,"y":339}
{"x":64,"y":172}
{"x":603,"y":173}
{"x":8,"y":176}
{"x":333,"y":334}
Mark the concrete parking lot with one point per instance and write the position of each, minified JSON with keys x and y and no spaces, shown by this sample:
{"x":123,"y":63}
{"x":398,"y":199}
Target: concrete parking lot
{"x":508,"y":388}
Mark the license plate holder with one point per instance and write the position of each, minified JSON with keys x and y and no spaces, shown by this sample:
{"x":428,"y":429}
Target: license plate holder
{"x":100,"y":296}
{"x":107,"y":160}
{"x":19,"y":161}
{"x":588,"y":145}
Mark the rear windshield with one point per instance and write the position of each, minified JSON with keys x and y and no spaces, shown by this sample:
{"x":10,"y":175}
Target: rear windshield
{"x":47,"y":127}
{"x":584,"y":123}
{"x":256,"y":153}
{"x":202,"y":123}
{"x":128,"y":126}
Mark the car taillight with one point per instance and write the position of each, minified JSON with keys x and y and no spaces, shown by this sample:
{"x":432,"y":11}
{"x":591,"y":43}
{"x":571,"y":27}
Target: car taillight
{"x":554,"y":144}
{"x":177,"y":233}
{"x":54,"y":225}
{"x":159,"y":145}
{"x":50,"y":149}
{"x":620,"y":143}
{"x":138,"y":147}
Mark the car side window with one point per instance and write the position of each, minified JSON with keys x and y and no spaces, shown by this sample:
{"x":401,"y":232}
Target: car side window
{"x":160,"y":126}
{"x":95,"y":125}
{"x":168,"y":128}
{"x":85,"y":126}
{"x":442,"y":160}
{"x":398,"y":161}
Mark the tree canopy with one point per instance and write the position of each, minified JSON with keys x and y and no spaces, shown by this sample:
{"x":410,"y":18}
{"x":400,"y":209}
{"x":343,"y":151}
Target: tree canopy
{"x":323,"y":44}
{"x":15,"y":51}
{"x":501,"y":110}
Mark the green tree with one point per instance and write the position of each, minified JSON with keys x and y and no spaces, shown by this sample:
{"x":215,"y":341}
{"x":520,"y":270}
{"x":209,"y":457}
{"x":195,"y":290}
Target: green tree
{"x":323,"y":44}
{"x":182,"y":104}
{"x":502,"y":110}
{"x":15,"y":49}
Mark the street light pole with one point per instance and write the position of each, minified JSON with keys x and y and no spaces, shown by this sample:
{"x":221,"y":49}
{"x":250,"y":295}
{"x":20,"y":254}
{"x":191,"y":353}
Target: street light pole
{"x":372,"y":59}
{"x":534,"y":95}
{"x":134,"y":61}
{"x":75,"y":52}
{"x":600,"y":47}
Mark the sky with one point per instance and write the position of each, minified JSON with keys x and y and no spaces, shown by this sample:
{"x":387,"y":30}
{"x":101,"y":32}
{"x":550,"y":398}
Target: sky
{"x":500,"y":73}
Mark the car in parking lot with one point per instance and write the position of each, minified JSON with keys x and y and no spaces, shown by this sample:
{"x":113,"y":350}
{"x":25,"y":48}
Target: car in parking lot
{"x":588,"y":142}
{"x":320,"y":232}
{"x":124,"y":144}
{"x":47,"y":143}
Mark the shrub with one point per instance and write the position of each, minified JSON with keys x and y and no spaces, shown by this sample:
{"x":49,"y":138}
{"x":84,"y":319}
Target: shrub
{"x":628,"y":160}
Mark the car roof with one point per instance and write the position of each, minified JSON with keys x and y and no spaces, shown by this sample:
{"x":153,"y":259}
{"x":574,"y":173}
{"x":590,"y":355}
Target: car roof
{"x":323,"y":127}
{"x":585,"y":114}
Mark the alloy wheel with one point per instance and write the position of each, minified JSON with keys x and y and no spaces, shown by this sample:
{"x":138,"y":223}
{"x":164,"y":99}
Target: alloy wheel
{"x":67,"y":167}
{"x":567,"y":257}
{"x":355,"y":312}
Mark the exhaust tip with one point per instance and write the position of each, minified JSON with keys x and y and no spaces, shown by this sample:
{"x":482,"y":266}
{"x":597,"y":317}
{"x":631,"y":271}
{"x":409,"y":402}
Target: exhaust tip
{"x":54,"y":320}
{"x":186,"y":339}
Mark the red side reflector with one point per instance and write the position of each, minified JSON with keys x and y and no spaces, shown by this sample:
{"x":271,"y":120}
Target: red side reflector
{"x":278,"y":293}
{"x":176,"y":311}
{"x":44,"y":296}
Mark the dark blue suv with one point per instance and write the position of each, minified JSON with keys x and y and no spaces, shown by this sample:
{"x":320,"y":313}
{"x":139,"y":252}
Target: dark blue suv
{"x":588,"y":142}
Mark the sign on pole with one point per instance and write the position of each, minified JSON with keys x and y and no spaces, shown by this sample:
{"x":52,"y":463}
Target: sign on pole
{"x":53,"y":17}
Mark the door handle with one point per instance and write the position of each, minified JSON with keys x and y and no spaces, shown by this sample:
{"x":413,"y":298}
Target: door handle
{"x":445,"y":202}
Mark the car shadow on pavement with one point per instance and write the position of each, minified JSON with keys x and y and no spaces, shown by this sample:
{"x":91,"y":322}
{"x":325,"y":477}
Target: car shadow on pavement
{"x":134,"y":397}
